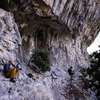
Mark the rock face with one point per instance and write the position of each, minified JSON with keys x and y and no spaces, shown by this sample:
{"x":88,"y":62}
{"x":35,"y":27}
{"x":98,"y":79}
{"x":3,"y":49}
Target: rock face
{"x":79,"y":20}
{"x":68,"y":48}
{"x":81,"y":17}
{"x":83,"y":21}
{"x":69,"y":26}
{"x":10,"y":40}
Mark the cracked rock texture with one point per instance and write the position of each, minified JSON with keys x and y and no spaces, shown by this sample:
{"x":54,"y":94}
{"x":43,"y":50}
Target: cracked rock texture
{"x":70,"y":26}
{"x":81,"y":16}
{"x":10,"y":39}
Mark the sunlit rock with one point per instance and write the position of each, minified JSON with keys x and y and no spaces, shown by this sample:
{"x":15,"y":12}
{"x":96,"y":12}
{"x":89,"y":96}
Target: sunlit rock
{"x":10,"y":40}
{"x":69,"y":27}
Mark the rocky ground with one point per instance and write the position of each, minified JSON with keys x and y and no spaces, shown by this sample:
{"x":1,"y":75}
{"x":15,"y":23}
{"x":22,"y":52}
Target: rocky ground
{"x":25,"y":88}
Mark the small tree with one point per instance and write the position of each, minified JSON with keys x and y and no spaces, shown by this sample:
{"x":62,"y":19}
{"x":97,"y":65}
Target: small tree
{"x":40,"y":58}
{"x":93,"y":72}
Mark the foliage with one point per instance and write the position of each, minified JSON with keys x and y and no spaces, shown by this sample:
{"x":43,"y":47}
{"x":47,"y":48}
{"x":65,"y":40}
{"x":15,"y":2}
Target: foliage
{"x":92,"y":73}
{"x":40,"y":58}
{"x":8,"y":4}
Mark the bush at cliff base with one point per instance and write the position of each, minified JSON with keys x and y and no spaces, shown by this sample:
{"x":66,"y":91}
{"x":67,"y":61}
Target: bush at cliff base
{"x":92,"y":74}
{"x":40,"y":58}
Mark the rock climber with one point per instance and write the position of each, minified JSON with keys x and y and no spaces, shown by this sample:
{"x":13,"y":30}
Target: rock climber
{"x":6,"y":68}
{"x":14,"y":72}
{"x":11,"y":71}
{"x":70,"y":71}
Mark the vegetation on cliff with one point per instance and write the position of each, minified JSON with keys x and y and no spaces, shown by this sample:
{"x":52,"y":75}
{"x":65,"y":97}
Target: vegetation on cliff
{"x":92,"y":74}
{"x":40,"y":58}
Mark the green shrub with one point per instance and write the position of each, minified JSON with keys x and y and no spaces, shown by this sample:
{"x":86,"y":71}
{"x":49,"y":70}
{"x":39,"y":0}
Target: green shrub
{"x":40,"y":58}
{"x":7,"y":4}
{"x":93,"y":72}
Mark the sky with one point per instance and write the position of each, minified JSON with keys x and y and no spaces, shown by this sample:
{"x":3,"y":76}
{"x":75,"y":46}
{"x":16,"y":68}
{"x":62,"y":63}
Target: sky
{"x":94,"y":46}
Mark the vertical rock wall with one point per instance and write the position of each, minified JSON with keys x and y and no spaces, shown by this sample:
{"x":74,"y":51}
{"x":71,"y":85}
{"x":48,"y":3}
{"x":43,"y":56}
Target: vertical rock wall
{"x":10,"y":39}
{"x":64,"y":53}
{"x":81,"y":16}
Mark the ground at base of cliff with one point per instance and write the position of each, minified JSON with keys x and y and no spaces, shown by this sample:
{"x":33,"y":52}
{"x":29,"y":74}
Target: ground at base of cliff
{"x":25,"y":88}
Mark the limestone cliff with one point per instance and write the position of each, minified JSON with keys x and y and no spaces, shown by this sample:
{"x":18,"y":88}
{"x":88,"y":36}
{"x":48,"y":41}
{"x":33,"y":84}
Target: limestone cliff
{"x":80,"y":16}
{"x":10,"y":39}
{"x":82,"y":19}
{"x":67,"y":28}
